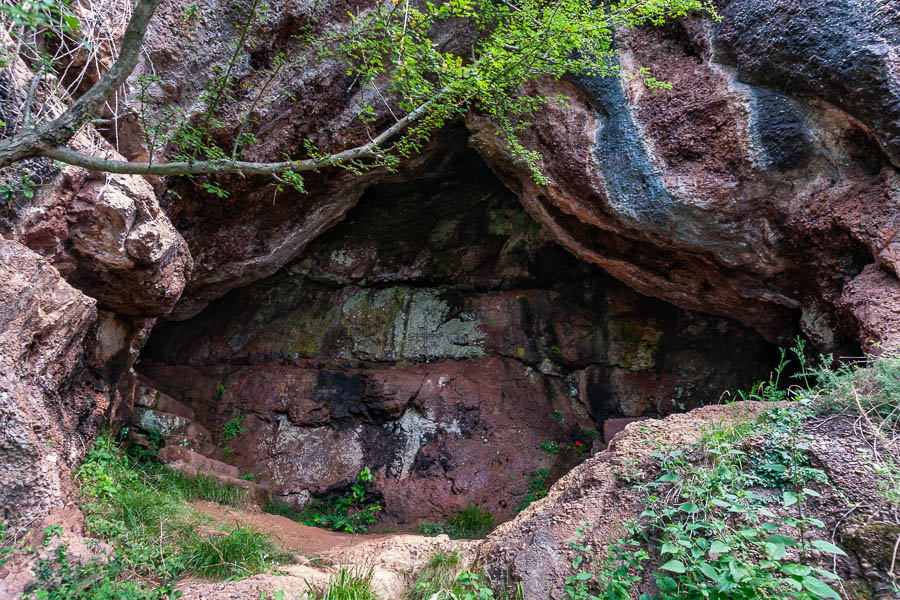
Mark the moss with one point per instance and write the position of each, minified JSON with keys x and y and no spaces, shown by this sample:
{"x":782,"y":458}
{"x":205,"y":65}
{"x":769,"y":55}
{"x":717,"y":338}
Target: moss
{"x":299,"y":332}
{"x":637,"y":344}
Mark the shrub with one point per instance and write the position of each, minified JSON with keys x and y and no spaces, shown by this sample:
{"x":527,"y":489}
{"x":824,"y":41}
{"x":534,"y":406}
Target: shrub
{"x":352,"y":512}
{"x":232,"y":429}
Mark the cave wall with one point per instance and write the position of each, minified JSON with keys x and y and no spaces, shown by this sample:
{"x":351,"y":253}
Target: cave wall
{"x":439,"y":337}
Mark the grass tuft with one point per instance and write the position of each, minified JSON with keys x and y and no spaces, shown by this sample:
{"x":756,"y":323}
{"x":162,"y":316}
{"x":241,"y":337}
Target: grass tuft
{"x":469,"y":522}
{"x":350,"y":583}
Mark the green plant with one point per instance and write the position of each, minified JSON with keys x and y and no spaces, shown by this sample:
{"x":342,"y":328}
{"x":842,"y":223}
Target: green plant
{"x":537,"y":488}
{"x":715,"y":535}
{"x":388,"y":51}
{"x":353,"y":512}
{"x":557,"y":416}
{"x":350,"y":583}
{"x":232,"y":428}
{"x":555,"y":351}
{"x":471,"y":521}
{"x":440,"y":573}
{"x":58,"y":579}
{"x":549,"y":447}
{"x":444,"y":578}
{"x":249,"y":477}
{"x":26,"y":186}
{"x":191,"y":12}
{"x":142,"y":508}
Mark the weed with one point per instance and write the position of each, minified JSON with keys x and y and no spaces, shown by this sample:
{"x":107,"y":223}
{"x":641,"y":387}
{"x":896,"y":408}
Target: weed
{"x":249,"y":477}
{"x":352,"y":513}
{"x":537,"y":488}
{"x":353,"y":583}
{"x":232,"y":429}
{"x":557,"y":416}
{"x":549,"y":447}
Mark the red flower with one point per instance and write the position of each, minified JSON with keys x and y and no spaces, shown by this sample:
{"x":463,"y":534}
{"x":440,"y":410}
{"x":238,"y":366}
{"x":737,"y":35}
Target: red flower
{"x":577,"y":443}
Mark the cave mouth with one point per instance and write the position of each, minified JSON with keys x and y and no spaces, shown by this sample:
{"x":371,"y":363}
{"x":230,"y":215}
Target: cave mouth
{"x":440,"y":339}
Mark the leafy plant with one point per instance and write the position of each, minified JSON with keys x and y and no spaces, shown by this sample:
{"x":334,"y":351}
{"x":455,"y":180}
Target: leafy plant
{"x":143,"y":510}
{"x":537,"y":488}
{"x":550,"y":447}
{"x":232,"y":429}
{"x":352,"y":512}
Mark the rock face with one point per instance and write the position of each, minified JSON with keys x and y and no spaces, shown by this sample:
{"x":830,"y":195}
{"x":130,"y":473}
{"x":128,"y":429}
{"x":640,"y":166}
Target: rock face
{"x":49,"y":408}
{"x":438,"y":337}
{"x":88,"y":263}
{"x":759,"y":187}
{"x":535,"y":548}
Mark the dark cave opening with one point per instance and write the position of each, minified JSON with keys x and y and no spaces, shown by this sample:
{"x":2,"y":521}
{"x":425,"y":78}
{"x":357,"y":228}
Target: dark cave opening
{"x":438,"y":337}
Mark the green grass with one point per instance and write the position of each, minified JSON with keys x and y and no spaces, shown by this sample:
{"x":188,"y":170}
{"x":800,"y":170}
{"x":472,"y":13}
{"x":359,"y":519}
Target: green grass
{"x":469,"y":522}
{"x":353,"y":583}
{"x":143,"y":510}
{"x":444,"y":578}
{"x":439,"y":574}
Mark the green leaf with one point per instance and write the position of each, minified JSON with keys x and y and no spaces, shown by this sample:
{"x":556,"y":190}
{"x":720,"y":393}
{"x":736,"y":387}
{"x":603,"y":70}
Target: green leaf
{"x":795,"y":569}
{"x":828,"y":547}
{"x":820,"y":588}
{"x":788,"y":499}
{"x":708,"y":570}
{"x":670,"y":548}
{"x":718,"y":547}
{"x":689,"y":507}
{"x":776,"y":551}
{"x":783,"y":540}
{"x":676,"y":566}
{"x":813,"y":493}
{"x":825,"y":574}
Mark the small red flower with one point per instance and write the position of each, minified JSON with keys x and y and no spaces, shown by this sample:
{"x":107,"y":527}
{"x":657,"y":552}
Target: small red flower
{"x":577,"y":443}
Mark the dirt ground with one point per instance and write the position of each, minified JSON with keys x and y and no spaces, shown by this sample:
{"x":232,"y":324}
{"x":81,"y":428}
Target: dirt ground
{"x":300,"y":539}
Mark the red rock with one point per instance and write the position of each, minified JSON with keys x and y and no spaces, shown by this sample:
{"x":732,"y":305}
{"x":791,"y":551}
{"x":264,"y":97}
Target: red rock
{"x":613,"y":426}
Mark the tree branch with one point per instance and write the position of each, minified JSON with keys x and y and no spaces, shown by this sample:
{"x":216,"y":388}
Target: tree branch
{"x":35,"y":141}
{"x":371,"y":150}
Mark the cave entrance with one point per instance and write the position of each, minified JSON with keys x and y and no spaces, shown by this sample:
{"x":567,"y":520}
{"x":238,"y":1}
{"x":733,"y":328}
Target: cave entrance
{"x":440,"y":339}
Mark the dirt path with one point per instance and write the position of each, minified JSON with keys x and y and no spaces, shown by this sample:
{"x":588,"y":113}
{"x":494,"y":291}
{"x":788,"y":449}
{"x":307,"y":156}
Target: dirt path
{"x":302,"y":539}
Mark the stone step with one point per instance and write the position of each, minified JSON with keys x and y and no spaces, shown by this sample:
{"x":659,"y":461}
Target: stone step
{"x":257,"y":496}
{"x":168,"y":424}
{"x":147,"y":396}
{"x":176,"y":454}
{"x":206,"y":449}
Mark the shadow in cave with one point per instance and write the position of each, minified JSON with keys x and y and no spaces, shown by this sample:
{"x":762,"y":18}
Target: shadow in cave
{"x":438,"y":337}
